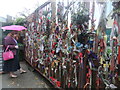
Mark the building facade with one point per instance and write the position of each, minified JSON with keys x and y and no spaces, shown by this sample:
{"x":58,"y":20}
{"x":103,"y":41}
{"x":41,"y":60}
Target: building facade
{"x":2,"y":20}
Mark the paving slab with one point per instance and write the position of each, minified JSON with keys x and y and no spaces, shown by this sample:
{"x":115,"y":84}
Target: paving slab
{"x":31,"y":79}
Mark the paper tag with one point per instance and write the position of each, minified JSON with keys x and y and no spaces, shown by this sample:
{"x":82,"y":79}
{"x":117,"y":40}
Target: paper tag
{"x":57,"y":50}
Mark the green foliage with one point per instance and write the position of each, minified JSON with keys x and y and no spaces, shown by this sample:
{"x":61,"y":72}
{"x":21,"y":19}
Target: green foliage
{"x":19,"y":21}
{"x":46,"y":12}
{"x":109,"y":51}
{"x":116,"y":8}
{"x":80,"y":16}
{"x":19,"y":44}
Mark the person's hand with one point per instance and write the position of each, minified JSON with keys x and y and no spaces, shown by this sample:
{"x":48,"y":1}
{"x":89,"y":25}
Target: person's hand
{"x":16,"y":46}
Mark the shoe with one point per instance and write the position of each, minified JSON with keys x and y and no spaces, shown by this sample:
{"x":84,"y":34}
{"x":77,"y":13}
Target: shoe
{"x":1,"y":72}
{"x":13,"y":76}
{"x":22,"y":71}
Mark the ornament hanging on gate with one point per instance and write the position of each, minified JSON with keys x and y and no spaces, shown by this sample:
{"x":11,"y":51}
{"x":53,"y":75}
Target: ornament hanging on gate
{"x":119,"y":55}
{"x":114,"y":32}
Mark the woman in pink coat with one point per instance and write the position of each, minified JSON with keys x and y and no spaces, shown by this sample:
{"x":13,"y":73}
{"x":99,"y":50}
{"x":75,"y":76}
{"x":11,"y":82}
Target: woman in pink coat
{"x":12,"y":65}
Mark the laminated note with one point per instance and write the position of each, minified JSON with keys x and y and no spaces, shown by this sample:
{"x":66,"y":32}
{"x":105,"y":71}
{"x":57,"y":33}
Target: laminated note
{"x":41,"y":47}
{"x":57,"y":50}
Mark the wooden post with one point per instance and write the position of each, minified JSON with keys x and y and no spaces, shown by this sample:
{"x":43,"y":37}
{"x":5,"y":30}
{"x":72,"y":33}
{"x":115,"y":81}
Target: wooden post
{"x":53,"y":6}
{"x":118,"y":39}
{"x":93,"y":10}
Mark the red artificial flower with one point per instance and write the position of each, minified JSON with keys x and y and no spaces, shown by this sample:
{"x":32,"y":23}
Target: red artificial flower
{"x":58,"y":83}
{"x":53,"y":79}
{"x":53,"y":45}
{"x":53,"y":52}
{"x":88,"y":51}
{"x":76,"y":57}
{"x":80,"y":55}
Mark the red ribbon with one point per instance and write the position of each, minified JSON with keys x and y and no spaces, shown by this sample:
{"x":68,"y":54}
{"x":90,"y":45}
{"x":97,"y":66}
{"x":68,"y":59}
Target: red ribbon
{"x":53,"y":45}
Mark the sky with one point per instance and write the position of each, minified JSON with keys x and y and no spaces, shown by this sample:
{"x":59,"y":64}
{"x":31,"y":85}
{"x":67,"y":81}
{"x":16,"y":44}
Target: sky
{"x":98,"y":11}
{"x":12,"y":7}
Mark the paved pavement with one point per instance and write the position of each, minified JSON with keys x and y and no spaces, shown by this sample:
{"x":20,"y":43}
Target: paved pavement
{"x":1,"y":57}
{"x":31,"y":79}
{"x":0,"y":67}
